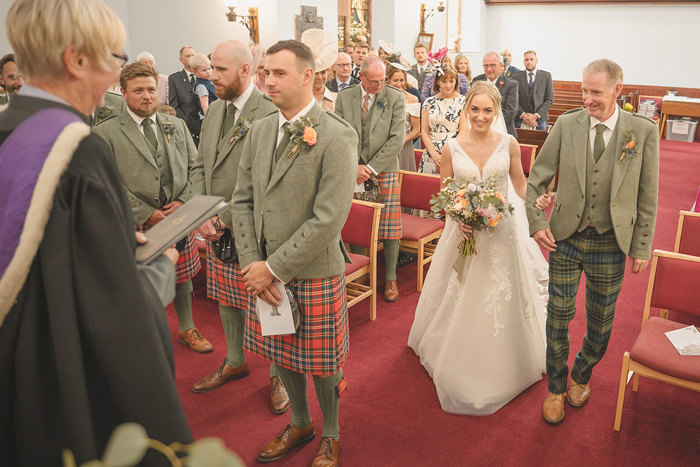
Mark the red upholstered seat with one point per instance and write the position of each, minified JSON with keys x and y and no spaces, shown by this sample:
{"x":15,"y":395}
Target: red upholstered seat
{"x":415,"y":228}
{"x":527,"y":156}
{"x":653,"y":349}
{"x":417,"y":153}
{"x":358,"y":262}
{"x":688,"y":236}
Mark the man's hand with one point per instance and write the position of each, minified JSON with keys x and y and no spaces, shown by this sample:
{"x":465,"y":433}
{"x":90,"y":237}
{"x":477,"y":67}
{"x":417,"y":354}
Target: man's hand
{"x":208,"y":231}
{"x":171,"y":252}
{"x":530,"y":119}
{"x":171,"y":207}
{"x":363,"y":173}
{"x":543,"y":202}
{"x":271,"y":296}
{"x":638,"y":265}
{"x":156,"y":217}
{"x":545,"y":240}
{"x":257,"y":277}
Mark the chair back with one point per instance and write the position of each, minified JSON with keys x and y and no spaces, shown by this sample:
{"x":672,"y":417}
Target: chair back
{"x":527,"y":156}
{"x":418,"y":154}
{"x":359,"y":226}
{"x":417,"y":189}
{"x":696,"y":206}
{"x":688,"y":235}
{"x":674,"y":282}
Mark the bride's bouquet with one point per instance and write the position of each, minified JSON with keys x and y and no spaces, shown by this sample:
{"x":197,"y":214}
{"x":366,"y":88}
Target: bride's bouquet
{"x":476,"y":204}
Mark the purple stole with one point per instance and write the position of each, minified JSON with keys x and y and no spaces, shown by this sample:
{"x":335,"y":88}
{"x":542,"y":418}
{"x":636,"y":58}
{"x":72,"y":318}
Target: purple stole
{"x":22,"y":157}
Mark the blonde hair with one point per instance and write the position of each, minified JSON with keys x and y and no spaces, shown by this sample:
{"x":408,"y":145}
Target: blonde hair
{"x":484,"y":87}
{"x":198,"y":61}
{"x":40,"y":31}
{"x":458,"y":59}
{"x":612,"y":70}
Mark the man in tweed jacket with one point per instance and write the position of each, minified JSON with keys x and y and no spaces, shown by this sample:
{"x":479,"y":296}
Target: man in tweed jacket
{"x":605,"y":209}
{"x":294,"y":191}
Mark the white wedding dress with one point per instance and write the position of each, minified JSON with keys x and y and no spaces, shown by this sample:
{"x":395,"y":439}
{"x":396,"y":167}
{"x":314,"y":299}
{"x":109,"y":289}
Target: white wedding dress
{"x":482,"y":338}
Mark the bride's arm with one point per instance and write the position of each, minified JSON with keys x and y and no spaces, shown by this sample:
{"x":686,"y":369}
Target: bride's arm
{"x":517,"y":177}
{"x":446,"y":164}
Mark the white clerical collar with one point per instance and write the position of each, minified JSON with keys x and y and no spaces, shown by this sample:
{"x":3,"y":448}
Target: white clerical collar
{"x":240,"y":102}
{"x":303,"y":112}
{"x":138,"y":119}
{"x":610,"y":122}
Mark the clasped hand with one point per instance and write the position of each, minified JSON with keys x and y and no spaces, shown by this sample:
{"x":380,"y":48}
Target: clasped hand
{"x":258,"y":283}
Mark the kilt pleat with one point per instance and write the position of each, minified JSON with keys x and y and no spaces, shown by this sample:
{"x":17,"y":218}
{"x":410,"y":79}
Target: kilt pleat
{"x":321,"y":343}
{"x":188,"y":264}
{"x":225,"y":282}
{"x":390,"y":196}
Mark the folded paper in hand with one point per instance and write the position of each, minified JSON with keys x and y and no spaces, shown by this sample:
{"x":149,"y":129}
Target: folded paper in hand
{"x":276,"y":320}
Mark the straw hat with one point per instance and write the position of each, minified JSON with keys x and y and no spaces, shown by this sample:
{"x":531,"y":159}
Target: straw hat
{"x":324,"y":47}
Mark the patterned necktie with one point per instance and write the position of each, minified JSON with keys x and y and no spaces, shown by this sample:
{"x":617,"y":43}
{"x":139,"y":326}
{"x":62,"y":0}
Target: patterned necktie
{"x":530,"y":82}
{"x":599,"y":142}
{"x":150,"y":135}
{"x":283,"y":144}
{"x":229,"y":119}
{"x":342,"y":86}
{"x":365,"y":105}
{"x":193,"y":78}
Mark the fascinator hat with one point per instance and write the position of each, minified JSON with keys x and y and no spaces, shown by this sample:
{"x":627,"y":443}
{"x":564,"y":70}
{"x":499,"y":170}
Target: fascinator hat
{"x":395,"y":61}
{"x":323,"y":46}
{"x":388,"y":47}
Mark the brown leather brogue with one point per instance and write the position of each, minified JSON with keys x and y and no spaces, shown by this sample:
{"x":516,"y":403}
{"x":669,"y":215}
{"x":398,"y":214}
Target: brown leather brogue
{"x":328,"y":453}
{"x":194,"y":340}
{"x":578,"y":394}
{"x":553,"y":408}
{"x":284,"y":442}
{"x":224,"y":374}
{"x":391,"y":291}
{"x":279,"y":400}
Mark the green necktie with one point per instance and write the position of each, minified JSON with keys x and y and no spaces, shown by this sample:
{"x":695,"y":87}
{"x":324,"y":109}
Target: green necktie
{"x":285,"y":141}
{"x":599,"y":142}
{"x":150,"y":135}
{"x":229,"y":119}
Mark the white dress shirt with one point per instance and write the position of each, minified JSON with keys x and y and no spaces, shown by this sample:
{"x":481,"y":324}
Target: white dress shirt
{"x":241,"y":100}
{"x":609,"y":127}
{"x":140,"y":120}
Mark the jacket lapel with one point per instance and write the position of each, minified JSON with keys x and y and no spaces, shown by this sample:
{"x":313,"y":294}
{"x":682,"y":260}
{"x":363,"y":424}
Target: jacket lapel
{"x":132,"y":133}
{"x":618,"y":139}
{"x":356,"y":109}
{"x":170,"y":149}
{"x":266,"y":151}
{"x":580,"y":140}
{"x":378,"y":110}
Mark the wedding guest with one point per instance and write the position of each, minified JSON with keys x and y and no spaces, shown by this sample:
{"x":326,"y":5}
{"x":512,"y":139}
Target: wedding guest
{"x":324,"y":48}
{"x":508,"y":87}
{"x":397,"y":77}
{"x":442,"y":118}
{"x":10,"y":77}
{"x":423,"y":67}
{"x":508,"y":68}
{"x":360,"y":52}
{"x":343,"y":77}
{"x":181,"y":85}
{"x":349,"y":49}
{"x":463,"y":68}
{"x":203,"y":87}
{"x":260,"y":74}
{"x":535,"y":94}
{"x":429,"y":88}
{"x":149,"y":59}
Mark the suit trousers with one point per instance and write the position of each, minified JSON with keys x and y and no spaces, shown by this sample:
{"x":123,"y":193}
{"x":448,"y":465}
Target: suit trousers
{"x":604,"y":265}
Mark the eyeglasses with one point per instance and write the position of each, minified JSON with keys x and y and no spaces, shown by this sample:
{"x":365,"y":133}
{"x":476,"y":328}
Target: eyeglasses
{"x":343,"y":65}
{"x":121,"y":59}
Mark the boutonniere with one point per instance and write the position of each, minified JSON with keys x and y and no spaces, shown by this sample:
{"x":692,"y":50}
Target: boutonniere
{"x":103,"y":113}
{"x":302,"y":131}
{"x":381,"y":102}
{"x":500,"y":84}
{"x":168,"y":129}
{"x":240,"y":129}
{"x":630,"y":144}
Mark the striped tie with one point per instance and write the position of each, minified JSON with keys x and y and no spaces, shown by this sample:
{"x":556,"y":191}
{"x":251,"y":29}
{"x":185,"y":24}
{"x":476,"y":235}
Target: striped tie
{"x":365,"y":105}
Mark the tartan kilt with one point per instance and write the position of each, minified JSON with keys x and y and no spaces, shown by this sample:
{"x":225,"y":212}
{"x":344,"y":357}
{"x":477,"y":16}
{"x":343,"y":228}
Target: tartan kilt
{"x":225,"y":282}
{"x":390,"y":193}
{"x":188,"y":264}
{"x":321,"y":343}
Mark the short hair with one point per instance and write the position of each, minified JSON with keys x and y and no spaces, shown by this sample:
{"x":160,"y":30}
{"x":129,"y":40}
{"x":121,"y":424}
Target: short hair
{"x":167,"y":110}
{"x":420,"y":45}
{"x":487,"y":88}
{"x":447,"y":71}
{"x":145,"y":56}
{"x":182,"y":49}
{"x":305,"y":58}
{"x":135,"y":70}
{"x":498,"y":56}
{"x":530,"y":52}
{"x":198,"y":61}
{"x":362,"y":45}
{"x":369,"y":61}
{"x":612,"y":70}
{"x":391,"y":70}
{"x":6,"y":59}
{"x":40,"y":31}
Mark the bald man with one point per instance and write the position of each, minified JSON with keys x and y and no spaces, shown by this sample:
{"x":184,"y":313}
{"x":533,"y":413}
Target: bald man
{"x":343,"y":74}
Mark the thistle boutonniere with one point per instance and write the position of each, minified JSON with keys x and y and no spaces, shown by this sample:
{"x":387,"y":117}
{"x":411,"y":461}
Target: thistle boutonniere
{"x":168,"y":129}
{"x":103,"y":113}
{"x":381,"y":102}
{"x":240,"y":129}
{"x":629,"y":147}
{"x":302,"y":131}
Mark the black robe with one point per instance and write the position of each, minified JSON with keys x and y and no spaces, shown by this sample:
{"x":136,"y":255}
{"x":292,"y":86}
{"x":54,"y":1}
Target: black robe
{"x":86,"y":346}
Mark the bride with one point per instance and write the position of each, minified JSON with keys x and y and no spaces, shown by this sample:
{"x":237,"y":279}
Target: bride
{"x":482,"y":338}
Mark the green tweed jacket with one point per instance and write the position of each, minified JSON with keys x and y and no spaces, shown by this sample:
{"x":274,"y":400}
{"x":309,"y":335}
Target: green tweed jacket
{"x":298,"y":208}
{"x":138,"y":168}
{"x":113,"y":107}
{"x":387,"y":128}
{"x":218,"y":157}
{"x":635,"y":180}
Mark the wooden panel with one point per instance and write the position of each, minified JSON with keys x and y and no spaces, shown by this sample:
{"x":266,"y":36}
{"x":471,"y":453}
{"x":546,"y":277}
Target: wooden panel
{"x":578,"y":2}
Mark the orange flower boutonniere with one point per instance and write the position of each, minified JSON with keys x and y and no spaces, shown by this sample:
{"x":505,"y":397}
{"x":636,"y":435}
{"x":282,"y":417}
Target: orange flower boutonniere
{"x":302,"y":131}
{"x":629,"y":148}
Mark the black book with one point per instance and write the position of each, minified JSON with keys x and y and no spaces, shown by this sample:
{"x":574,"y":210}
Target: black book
{"x":177,"y":225}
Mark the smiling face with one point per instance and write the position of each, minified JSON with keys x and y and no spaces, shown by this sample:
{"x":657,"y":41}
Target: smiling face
{"x":11,"y":78}
{"x":141,"y":96}
{"x":481,"y":112}
{"x":492,"y":66}
{"x":599,"y":96}
{"x":447,"y":84}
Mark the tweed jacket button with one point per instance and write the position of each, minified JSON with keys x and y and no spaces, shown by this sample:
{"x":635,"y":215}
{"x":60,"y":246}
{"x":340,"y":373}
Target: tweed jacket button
{"x":578,"y":215}
{"x":157,"y":177}
{"x":243,"y":235}
{"x":296,"y":245}
{"x":245,"y":245}
{"x":284,"y":253}
{"x":303,"y":234}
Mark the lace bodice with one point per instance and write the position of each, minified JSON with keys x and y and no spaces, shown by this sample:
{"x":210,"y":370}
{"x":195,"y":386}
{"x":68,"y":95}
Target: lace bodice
{"x":497,"y":166}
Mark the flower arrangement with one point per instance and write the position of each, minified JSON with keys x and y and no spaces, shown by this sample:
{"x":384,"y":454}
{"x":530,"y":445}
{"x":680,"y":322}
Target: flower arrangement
{"x":168,"y":129}
{"x":302,"y":131}
{"x":358,"y":32}
{"x":240,"y":129}
{"x":628,"y":149}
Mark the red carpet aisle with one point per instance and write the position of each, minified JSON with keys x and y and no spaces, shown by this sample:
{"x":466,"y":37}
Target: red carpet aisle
{"x":391,"y":415}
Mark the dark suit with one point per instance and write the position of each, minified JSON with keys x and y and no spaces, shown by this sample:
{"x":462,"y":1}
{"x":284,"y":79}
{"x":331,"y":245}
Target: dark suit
{"x":511,"y":71}
{"x":185,"y":103}
{"x":535,"y":100}
{"x":420,"y":76}
{"x":509,"y":103}
{"x":332,"y":85}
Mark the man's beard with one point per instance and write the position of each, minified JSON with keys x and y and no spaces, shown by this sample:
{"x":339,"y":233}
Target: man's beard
{"x":145,"y":113}
{"x":13,"y":89}
{"x":232,"y":91}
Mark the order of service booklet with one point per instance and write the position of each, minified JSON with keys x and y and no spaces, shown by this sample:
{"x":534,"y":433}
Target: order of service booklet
{"x":177,"y":225}
{"x":686,"y":340}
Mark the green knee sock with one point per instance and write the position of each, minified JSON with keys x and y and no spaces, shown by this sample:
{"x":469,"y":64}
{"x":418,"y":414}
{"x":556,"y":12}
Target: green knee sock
{"x":391,"y":255}
{"x":295,"y":384}
{"x":233,"y":320}
{"x":329,"y":401}
{"x":273,"y":370}
{"x":357,"y":249}
{"x":183,"y":305}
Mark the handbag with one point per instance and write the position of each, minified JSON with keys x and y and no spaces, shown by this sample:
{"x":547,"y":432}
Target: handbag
{"x":296,"y":314}
{"x":372,"y":191}
{"x":225,"y":248}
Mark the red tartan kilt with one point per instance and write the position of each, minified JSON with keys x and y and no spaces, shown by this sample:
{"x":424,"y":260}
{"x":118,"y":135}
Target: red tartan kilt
{"x":321,"y":343}
{"x":390,"y":196}
{"x":188,"y":264}
{"x":225,"y":282}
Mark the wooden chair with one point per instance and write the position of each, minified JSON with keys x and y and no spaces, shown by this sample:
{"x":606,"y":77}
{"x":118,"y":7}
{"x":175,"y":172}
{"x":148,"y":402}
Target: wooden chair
{"x":418,"y":154}
{"x":688,"y":234}
{"x":362,"y":228}
{"x":420,"y":234}
{"x":674,"y":282}
{"x":527,"y":156}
